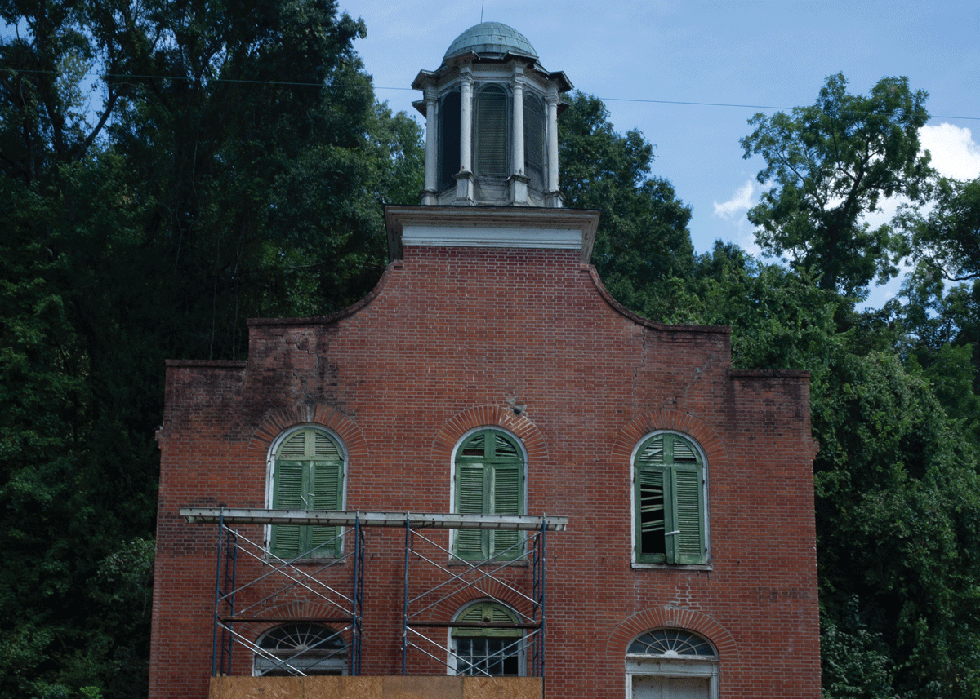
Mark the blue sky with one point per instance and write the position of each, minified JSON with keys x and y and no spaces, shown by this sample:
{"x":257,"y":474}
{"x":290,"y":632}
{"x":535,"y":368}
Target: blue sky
{"x":767,"y":53}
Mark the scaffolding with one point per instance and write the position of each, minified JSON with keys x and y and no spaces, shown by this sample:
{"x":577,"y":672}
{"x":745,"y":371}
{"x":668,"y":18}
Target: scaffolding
{"x":435,"y":582}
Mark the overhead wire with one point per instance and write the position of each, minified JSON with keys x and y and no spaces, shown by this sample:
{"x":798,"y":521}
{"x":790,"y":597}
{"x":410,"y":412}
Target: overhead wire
{"x":288,"y":83}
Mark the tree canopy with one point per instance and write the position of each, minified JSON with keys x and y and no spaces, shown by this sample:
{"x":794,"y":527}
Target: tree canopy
{"x":830,"y":165}
{"x":642,"y":240}
{"x":232,"y":161}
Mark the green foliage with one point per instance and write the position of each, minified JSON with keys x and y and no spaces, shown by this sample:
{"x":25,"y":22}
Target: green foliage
{"x":897,"y":486}
{"x":147,"y":224}
{"x":898,"y":499}
{"x":831,"y":164}
{"x":856,"y":663}
{"x":779,"y":319}
{"x":642,"y":241}
{"x":947,"y":237}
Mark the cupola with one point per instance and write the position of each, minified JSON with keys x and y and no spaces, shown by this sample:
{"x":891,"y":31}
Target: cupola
{"x":491,"y":122}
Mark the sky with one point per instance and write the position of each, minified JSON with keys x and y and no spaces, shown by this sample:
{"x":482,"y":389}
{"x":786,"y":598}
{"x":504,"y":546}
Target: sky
{"x":663,"y":67}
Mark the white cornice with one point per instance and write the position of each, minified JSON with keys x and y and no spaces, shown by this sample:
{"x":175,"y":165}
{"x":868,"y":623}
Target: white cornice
{"x":491,"y":227}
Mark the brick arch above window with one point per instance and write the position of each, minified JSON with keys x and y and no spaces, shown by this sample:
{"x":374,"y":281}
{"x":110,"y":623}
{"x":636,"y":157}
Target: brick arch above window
{"x":676,"y":618}
{"x":642,"y":425}
{"x":489,"y":416}
{"x":276,"y":422}
{"x":490,"y":590}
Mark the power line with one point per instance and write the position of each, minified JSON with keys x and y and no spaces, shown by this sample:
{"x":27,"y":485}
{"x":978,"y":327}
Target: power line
{"x":287,"y":83}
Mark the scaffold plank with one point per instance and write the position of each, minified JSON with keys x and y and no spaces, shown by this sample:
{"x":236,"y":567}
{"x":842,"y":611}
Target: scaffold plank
{"x":418,"y":520}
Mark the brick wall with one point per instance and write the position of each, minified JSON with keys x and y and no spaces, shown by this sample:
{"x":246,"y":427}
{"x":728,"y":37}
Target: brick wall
{"x":456,"y":338}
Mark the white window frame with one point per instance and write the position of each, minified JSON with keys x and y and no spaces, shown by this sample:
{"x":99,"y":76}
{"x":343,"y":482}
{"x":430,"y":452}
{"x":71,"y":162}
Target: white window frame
{"x":330,"y":665}
{"x":673,"y":664}
{"x":651,"y":666}
{"x":270,"y":483}
{"x":706,"y":513}
{"x":452,"y":477}
{"x":452,"y":668}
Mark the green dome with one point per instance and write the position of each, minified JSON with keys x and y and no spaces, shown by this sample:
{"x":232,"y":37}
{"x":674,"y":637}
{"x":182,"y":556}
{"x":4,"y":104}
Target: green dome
{"x":491,"y":40}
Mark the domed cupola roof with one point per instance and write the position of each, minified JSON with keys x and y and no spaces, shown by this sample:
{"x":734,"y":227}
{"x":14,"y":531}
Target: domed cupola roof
{"x":491,"y":40}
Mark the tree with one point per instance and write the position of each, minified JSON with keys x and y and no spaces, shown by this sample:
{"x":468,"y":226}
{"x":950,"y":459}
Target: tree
{"x":948,"y":237}
{"x":200,"y":189}
{"x":831,"y":164}
{"x":642,"y":241}
{"x":898,"y":522}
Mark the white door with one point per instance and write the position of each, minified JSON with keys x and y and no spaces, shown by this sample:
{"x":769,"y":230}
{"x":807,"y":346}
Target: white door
{"x":653,"y":687}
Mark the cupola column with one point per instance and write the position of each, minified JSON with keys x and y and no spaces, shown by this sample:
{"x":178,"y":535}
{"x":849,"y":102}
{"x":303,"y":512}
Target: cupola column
{"x":552,"y":196}
{"x":518,"y":180}
{"x":431,"y":146}
{"x":464,"y":179}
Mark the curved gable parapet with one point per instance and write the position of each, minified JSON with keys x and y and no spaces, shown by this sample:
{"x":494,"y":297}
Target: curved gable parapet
{"x":339,"y":315}
{"x":640,"y":320}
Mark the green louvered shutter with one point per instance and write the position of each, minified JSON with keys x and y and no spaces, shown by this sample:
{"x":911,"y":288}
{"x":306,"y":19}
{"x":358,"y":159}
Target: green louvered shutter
{"x":487,"y":612}
{"x":326,"y":496}
{"x":688,"y":543}
{"x":491,"y":132}
{"x":470,"y":493}
{"x":489,"y":480}
{"x":308,"y":475}
{"x":506,"y":484}
{"x":534,"y":140}
{"x":687,"y":546}
{"x":287,"y":495}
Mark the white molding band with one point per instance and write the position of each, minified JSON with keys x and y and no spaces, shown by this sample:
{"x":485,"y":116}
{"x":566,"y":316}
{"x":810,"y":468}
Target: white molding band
{"x":487,"y":237}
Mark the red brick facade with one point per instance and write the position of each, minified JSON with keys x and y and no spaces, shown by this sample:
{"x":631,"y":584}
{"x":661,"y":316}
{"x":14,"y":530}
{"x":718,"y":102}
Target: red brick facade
{"x":455,"y":338}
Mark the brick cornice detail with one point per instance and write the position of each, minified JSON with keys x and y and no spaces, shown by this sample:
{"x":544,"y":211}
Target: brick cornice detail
{"x":276,"y":422}
{"x":672,"y":618}
{"x":685,"y":423}
{"x":489,"y":416}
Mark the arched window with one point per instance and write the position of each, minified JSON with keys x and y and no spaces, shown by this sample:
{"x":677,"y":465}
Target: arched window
{"x":301,"y":649}
{"x":449,"y":135}
{"x":672,"y":664}
{"x":307,"y":474}
{"x":534,"y":140}
{"x":489,"y":479}
{"x":490,"y":132}
{"x":669,"y":501}
{"x":484,"y":650}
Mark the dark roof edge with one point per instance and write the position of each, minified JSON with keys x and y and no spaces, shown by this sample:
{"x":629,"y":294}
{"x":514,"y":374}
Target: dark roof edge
{"x":769,"y":374}
{"x":206,"y":363}
{"x":636,"y":318}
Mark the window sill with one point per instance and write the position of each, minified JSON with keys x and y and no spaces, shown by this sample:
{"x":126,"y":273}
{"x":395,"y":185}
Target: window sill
{"x":307,"y":562}
{"x":670,"y":566}
{"x":516,"y":563}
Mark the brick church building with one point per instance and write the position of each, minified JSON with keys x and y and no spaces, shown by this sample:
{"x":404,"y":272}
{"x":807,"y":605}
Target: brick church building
{"x":487,"y":478}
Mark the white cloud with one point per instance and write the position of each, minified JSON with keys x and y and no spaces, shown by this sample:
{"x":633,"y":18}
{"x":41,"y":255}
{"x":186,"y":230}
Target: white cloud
{"x":741,"y":202}
{"x":954,"y":152}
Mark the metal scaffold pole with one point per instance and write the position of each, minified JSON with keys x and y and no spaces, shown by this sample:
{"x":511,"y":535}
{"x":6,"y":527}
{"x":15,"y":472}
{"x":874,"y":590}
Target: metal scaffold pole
{"x":408,"y":546}
{"x":217,"y":599}
{"x":357,"y":603}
